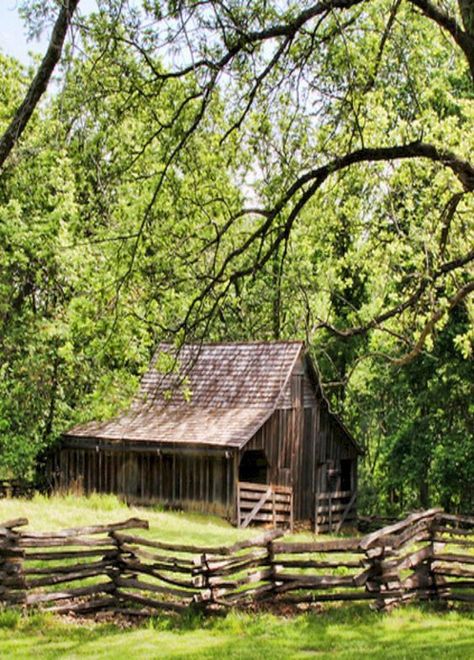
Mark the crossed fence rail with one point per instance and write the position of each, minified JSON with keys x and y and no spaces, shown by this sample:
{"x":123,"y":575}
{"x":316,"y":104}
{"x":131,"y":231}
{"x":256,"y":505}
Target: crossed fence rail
{"x":429,"y":555}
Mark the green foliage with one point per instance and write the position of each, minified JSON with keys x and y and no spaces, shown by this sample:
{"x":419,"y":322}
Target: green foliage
{"x":122,"y":224}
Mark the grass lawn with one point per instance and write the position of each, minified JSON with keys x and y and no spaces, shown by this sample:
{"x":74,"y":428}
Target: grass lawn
{"x":52,"y":513}
{"x":337,"y":632}
{"x":334,"y":631}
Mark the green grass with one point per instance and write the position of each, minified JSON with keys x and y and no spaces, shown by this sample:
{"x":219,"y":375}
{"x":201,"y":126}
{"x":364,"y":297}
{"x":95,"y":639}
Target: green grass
{"x":52,"y":513}
{"x":336,"y":631}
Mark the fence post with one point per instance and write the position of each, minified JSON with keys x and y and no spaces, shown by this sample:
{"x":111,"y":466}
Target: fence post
{"x":208,"y":592}
{"x":438,"y":582}
{"x":374,"y":557}
{"x":117,"y":568}
{"x":12,"y":579}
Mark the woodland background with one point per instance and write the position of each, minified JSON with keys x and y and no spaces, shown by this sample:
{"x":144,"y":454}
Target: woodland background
{"x":230,"y":171}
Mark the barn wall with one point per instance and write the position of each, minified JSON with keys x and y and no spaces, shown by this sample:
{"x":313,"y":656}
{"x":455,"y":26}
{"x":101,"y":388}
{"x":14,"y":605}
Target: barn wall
{"x":189,"y":480}
{"x":277,"y":438}
{"x":301,"y":440}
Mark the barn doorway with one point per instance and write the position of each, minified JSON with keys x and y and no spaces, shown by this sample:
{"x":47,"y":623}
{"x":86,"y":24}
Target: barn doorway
{"x":346,"y":474}
{"x":254,"y":467}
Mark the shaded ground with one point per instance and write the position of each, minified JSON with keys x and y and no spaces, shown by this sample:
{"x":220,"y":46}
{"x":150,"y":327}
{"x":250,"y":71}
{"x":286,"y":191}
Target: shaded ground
{"x":349,"y":632}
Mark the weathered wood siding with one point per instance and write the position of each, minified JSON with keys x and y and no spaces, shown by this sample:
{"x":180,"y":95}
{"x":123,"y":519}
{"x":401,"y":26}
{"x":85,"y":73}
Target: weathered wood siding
{"x":188,"y":480}
{"x":301,"y":440}
{"x":277,"y":439}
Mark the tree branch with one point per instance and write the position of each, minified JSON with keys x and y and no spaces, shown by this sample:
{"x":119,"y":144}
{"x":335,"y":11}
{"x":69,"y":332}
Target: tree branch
{"x":463,"y":39}
{"x":40,"y":81}
{"x":398,"y":309}
{"x":309,"y":183}
{"x":460,"y":295}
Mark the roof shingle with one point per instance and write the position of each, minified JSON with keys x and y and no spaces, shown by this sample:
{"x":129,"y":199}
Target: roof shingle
{"x":216,"y":395}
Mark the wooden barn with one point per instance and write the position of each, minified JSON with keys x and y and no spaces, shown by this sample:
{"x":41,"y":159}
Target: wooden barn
{"x":238,"y":429}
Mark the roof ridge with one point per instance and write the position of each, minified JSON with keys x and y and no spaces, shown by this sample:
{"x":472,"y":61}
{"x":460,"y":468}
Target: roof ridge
{"x":240,"y":342}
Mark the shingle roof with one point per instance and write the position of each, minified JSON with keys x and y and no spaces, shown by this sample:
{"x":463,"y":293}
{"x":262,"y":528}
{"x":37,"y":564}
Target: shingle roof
{"x":216,"y":395}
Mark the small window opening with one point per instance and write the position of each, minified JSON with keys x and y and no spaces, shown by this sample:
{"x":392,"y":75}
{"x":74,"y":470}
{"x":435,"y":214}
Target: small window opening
{"x":254,"y":467}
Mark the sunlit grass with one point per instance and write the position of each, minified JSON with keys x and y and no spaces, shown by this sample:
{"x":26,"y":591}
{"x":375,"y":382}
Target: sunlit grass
{"x":59,"y":512}
{"x":337,"y":632}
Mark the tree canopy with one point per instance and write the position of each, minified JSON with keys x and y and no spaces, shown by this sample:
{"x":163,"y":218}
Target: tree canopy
{"x":246,"y":170}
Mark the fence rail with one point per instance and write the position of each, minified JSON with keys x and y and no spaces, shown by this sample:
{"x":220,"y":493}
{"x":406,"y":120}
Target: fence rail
{"x":429,"y":555}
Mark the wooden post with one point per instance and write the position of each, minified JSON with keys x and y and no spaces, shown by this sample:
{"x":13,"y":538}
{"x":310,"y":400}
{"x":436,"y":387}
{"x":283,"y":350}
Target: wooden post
{"x":238,"y":505}
{"x":271,"y":563}
{"x":291,"y":510}
{"x":330,"y":511}
{"x":12,"y":556}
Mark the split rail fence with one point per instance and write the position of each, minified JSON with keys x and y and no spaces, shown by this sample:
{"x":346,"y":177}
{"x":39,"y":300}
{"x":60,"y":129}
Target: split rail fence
{"x":429,"y":555}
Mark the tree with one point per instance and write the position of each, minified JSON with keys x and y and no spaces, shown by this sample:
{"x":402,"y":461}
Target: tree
{"x":306,"y":165}
{"x":39,"y":84}
{"x":337,"y":68}
{"x":76,"y":331}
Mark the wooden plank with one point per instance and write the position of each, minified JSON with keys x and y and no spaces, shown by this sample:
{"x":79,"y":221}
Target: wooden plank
{"x":318,"y":581}
{"x":245,"y":485}
{"x":132,"y":583}
{"x":271,"y":517}
{"x":319,"y":564}
{"x":88,"y":606}
{"x":252,"y":496}
{"x":267,"y":507}
{"x":340,"y":545}
{"x":451,"y":557}
{"x":66,"y":577}
{"x":34,"y":599}
{"x":66,"y":568}
{"x":446,"y":517}
{"x":69,"y":541}
{"x":346,"y":512}
{"x":167,"y":577}
{"x":257,"y":506}
{"x":453,"y":531}
{"x":130,"y":523}
{"x":249,"y":578}
{"x":72,"y":554}
{"x":370,"y":539}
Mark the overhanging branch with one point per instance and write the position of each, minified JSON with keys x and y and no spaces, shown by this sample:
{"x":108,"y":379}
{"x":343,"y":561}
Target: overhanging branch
{"x":40,"y":81}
